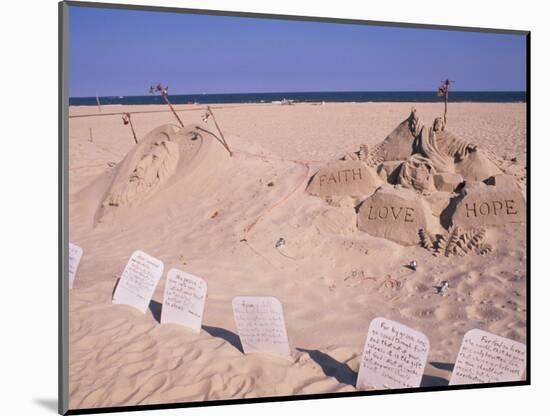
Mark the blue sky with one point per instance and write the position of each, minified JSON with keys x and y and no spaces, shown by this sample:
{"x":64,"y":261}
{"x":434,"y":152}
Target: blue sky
{"x":123,"y":52}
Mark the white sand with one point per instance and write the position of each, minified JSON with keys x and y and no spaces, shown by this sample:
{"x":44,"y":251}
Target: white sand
{"x":332,"y":286}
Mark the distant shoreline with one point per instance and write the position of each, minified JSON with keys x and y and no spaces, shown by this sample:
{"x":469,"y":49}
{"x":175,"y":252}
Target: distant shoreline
{"x":310,"y":97}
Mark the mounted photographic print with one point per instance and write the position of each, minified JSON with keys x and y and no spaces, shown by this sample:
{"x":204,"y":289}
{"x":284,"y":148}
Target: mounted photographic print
{"x":259,"y":207}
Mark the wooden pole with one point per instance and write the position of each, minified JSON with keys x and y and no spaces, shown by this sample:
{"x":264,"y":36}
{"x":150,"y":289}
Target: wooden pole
{"x":219,"y":130}
{"x":133,"y":131}
{"x":217,"y":138}
{"x":127,"y":119}
{"x":446,"y":98}
{"x":165,"y":96}
{"x":98,"y":103}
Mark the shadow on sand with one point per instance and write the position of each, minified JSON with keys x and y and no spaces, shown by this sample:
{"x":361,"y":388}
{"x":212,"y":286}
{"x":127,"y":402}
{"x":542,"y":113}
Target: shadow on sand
{"x":331,"y":367}
{"x":443,"y":366}
{"x":224,"y":334}
{"x":433,"y":381}
{"x":156,"y":309}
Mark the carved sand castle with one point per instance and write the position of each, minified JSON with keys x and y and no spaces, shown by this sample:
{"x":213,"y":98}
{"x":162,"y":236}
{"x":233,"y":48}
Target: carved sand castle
{"x":423,"y":185}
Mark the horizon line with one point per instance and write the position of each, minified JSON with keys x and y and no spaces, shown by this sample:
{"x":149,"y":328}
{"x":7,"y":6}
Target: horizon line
{"x":300,"y":92}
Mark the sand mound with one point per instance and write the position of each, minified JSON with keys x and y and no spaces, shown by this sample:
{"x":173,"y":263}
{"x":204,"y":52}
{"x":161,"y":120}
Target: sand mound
{"x":399,"y":144}
{"x":447,"y":182}
{"x":477,"y":166}
{"x":165,"y":155}
{"x":429,"y":164}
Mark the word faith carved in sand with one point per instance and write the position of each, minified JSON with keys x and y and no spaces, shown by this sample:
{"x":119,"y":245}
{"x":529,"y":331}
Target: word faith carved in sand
{"x":261,"y":325}
{"x":491,"y":208}
{"x":394,"y":356}
{"x":403,"y":214}
{"x":75,"y":253}
{"x":341,"y":176}
{"x":138,"y":281}
{"x":184,"y":299}
{"x":488,"y":358}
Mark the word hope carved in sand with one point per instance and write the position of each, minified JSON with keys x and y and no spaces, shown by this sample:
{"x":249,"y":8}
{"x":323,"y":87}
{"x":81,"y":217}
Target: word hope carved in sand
{"x":75,"y":253}
{"x":394,"y":356}
{"x":138,"y":281}
{"x":490,"y":208}
{"x":488,"y":358}
{"x":261,"y":325}
{"x":184,"y":299}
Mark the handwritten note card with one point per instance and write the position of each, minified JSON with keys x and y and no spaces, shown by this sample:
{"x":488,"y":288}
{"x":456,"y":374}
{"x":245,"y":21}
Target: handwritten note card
{"x":488,"y":358}
{"x":138,"y":281}
{"x":184,"y":299}
{"x":75,"y":253}
{"x":394,"y":356}
{"x":261,"y":325}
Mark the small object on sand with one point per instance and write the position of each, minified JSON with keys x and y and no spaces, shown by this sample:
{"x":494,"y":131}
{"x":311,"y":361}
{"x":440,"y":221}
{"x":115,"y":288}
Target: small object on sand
{"x":413,"y":265}
{"x":280,"y":242}
{"x":215,"y":214}
{"x":443,"y":286}
{"x":270,"y":184}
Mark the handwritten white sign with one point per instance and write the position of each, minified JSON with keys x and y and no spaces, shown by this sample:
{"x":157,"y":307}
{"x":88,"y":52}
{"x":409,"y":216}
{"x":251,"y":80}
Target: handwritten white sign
{"x":138,"y":281}
{"x":488,"y":358}
{"x":75,"y":253}
{"x":261,"y":325}
{"x":184,"y":299}
{"x":394,"y":356}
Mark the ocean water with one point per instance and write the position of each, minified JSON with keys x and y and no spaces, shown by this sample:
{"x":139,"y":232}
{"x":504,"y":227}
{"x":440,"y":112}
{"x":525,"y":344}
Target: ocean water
{"x":346,"y":96}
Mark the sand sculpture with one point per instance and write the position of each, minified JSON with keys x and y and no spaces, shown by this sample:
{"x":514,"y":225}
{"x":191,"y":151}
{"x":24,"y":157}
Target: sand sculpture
{"x":164,"y":156}
{"x":424,"y":185}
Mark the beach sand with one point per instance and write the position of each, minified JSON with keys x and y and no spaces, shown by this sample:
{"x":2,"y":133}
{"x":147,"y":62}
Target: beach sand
{"x":330,"y":278}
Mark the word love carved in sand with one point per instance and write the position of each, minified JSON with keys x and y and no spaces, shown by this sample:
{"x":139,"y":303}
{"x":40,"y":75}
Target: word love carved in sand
{"x":403,"y":214}
{"x":488,"y":358}
{"x":138,"y":281}
{"x":184,"y":299}
{"x":395,"y":214}
{"x":261,"y":325}
{"x":75,"y":253}
{"x":394,"y":356}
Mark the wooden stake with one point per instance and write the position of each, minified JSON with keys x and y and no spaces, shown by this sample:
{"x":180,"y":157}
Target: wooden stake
{"x":217,"y":138}
{"x":446,"y":99}
{"x":98,"y":103}
{"x":219,"y":130}
{"x":127,"y":119}
{"x":165,"y":96}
